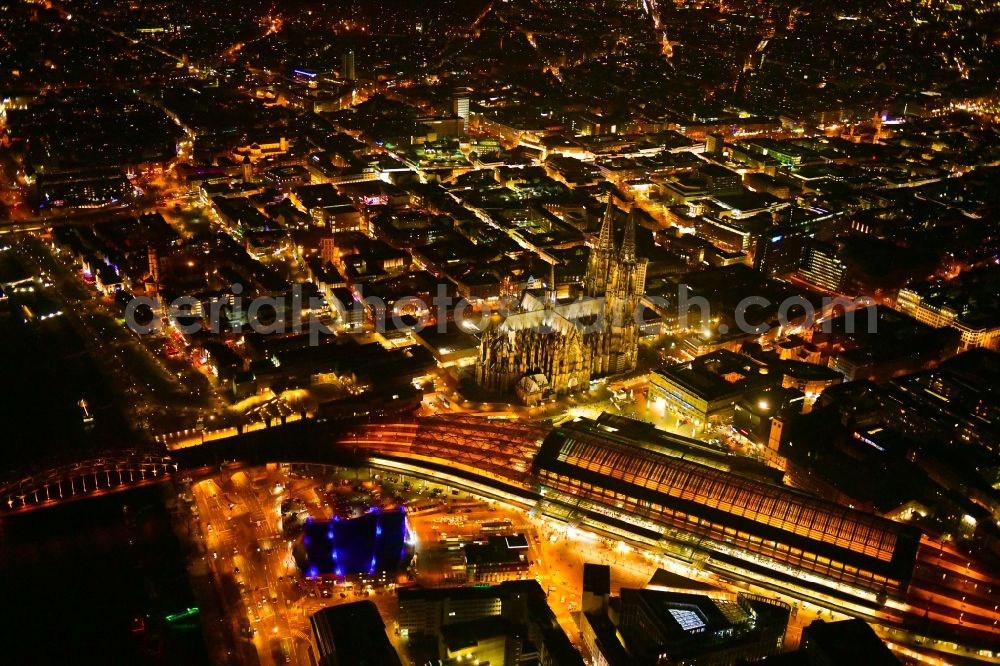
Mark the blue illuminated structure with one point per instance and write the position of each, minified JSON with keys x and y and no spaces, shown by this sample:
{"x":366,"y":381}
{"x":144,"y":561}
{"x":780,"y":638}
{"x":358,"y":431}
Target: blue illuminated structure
{"x":373,"y":543}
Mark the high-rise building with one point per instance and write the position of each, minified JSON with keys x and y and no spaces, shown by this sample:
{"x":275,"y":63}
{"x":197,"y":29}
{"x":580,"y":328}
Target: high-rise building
{"x":714,"y":143}
{"x":460,"y":101}
{"x":347,"y":66}
{"x":782,"y":247}
{"x":822,"y":267}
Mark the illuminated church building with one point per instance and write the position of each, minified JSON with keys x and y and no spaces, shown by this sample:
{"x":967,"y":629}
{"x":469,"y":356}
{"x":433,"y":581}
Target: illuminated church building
{"x":549,"y":347}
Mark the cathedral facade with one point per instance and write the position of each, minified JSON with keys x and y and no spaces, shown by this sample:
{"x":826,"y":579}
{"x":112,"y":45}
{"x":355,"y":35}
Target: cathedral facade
{"x":559,"y":348}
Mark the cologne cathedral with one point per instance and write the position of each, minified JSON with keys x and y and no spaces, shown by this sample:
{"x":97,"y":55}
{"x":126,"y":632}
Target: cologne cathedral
{"x":550,"y":347}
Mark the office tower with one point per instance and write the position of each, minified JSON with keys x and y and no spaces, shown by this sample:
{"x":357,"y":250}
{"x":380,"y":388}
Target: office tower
{"x":460,"y":101}
{"x":347,"y":66}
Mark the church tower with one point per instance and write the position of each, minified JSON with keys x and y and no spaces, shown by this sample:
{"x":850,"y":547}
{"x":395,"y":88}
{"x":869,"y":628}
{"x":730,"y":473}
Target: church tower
{"x":595,"y":281}
{"x":570,"y":344}
{"x":626,"y":280}
{"x":626,"y":283}
{"x":617,"y":277}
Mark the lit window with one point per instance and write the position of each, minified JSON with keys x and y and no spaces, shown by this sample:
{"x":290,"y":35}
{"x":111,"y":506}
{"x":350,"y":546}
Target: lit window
{"x":688,"y":619}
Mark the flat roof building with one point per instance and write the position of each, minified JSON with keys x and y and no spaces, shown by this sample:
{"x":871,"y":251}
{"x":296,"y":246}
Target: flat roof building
{"x":836,"y":643}
{"x":707,"y":389}
{"x":498,"y":558}
{"x":666,"y":628}
{"x":352,"y":635}
{"x":424,"y":611}
{"x":647,"y":627}
{"x":511,"y":619}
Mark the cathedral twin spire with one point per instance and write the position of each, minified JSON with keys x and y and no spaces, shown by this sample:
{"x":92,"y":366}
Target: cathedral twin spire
{"x":603,"y":257}
{"x":524,"y":345}
{"x":606,"y":241}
